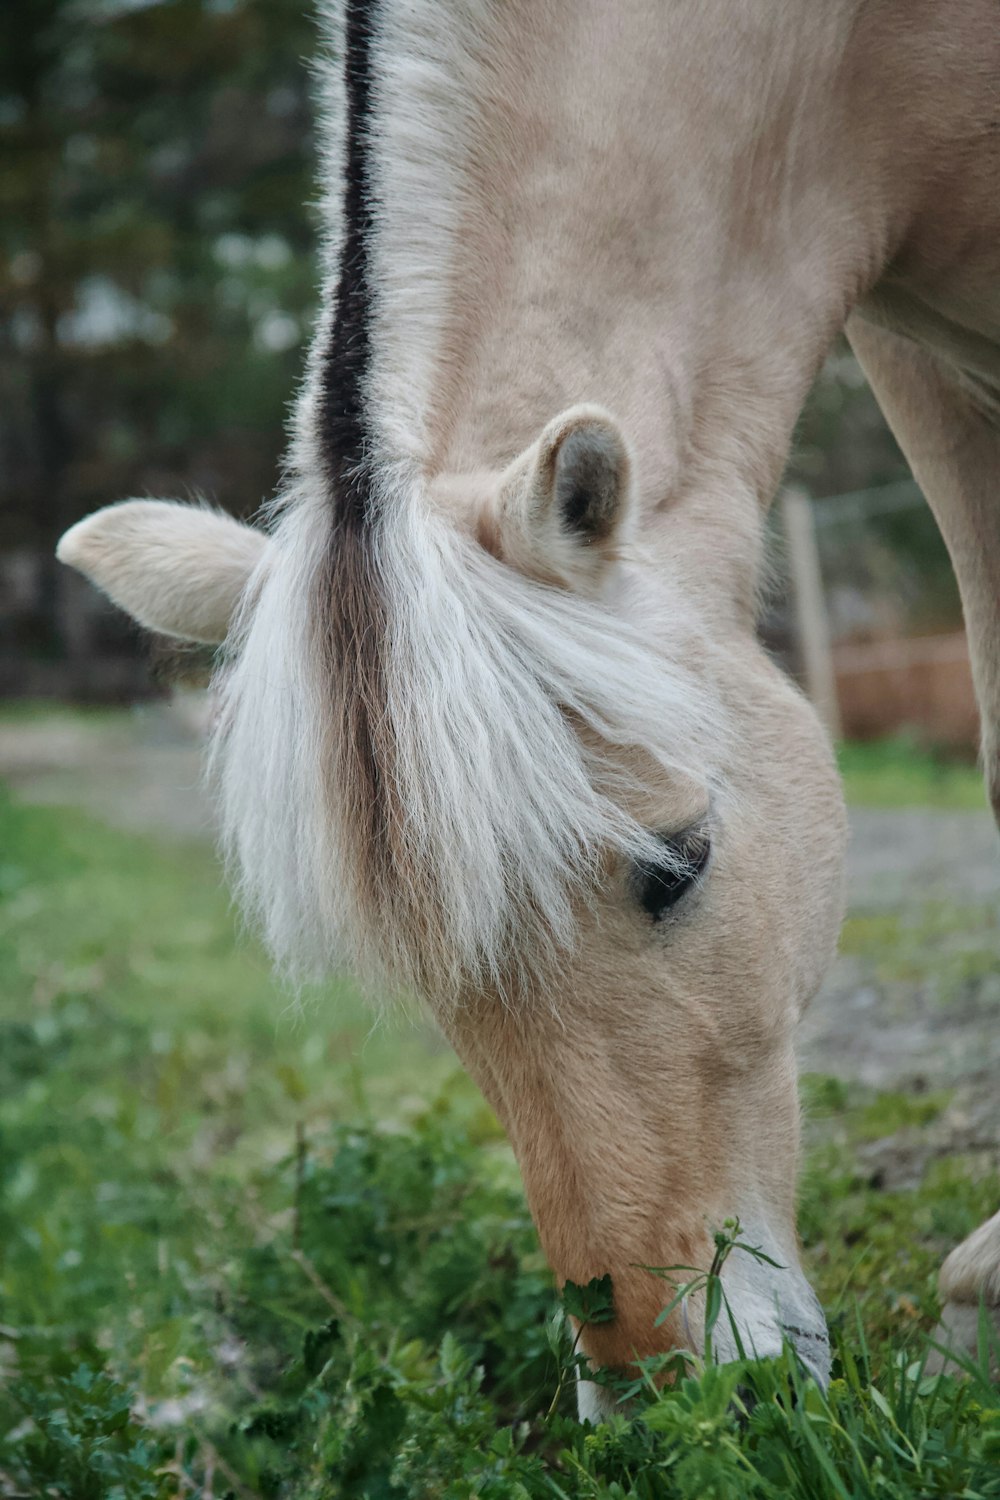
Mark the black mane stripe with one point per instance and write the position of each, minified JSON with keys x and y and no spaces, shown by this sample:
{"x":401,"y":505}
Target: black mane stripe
{"x":349,"y":614}
{"x":342,"y":430}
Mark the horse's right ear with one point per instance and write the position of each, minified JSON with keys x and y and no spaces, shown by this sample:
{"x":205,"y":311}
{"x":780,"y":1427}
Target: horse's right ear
{"x":177,"y":569}
{"x":564,"y":506}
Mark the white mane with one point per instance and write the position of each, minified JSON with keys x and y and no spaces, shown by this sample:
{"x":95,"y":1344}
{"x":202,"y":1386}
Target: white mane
{"x":507,"y":704}
{"x":511,"y":813}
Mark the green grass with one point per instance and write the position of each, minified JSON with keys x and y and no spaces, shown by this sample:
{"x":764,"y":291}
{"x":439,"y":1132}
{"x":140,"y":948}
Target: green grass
{"x":19,"y":711}
{"x":871,"y":1251}
{"x":900,"y":773}
{"x":252,"y":1248}
{"x":945,"y":949}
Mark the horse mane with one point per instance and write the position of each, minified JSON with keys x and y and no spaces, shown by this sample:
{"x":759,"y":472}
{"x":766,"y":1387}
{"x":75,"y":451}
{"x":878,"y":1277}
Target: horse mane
{"x":423,"y":758}
{"x":428,"y":807}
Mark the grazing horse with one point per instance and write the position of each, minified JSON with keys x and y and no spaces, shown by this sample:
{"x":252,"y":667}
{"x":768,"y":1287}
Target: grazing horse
{"x":494,"y":724}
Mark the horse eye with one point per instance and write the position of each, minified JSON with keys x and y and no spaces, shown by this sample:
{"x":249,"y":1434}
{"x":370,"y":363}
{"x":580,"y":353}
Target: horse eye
{"x":659,"y":887}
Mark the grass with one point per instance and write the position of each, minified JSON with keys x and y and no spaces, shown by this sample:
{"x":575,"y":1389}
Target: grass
{"x":900,"y":773}
{"x":18,"y":711}
{"x":946,"y":950}
{"x":256,"y":1249}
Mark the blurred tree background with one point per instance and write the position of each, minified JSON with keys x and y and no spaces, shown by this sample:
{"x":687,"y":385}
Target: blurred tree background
{"x":157,"y":271}
{"x":157,"y":282}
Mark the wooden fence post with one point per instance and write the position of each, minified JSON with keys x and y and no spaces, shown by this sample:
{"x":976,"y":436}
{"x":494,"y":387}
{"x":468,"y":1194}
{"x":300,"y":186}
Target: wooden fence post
{"x":812,"y":624}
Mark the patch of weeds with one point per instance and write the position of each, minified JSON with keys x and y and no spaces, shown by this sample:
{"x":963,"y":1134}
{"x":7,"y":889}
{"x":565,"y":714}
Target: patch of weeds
{"x":80,"y":716}
{"x":871,"y":934}
{"x":398,"y":1339}
{"x":822,"y":1095}
{"x":899,"y":772}
{"x":857,"y":1113}
{"x":241,"y":1255}
{"x":869,"y":1246}
{"x":891,"y":1111}
{"x":77,"y":1437}
{"x":949,"y":951}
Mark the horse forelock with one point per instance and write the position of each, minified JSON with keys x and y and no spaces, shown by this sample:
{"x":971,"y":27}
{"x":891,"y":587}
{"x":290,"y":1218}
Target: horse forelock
{"x":425,"y":760}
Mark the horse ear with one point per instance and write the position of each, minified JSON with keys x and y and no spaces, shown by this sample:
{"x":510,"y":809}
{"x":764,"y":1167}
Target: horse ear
{"x":565,"y":505}
{"x":177,"y":569}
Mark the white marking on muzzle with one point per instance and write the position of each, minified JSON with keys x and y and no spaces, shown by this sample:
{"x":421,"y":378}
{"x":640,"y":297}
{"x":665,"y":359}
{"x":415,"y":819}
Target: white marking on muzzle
{"x":770,"y":1303}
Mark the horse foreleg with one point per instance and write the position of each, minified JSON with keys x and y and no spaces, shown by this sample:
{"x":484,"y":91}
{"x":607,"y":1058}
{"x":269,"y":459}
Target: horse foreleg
{"x":950,"y":434}
{"x":970,"y":1280}
{"x":949,"y":429}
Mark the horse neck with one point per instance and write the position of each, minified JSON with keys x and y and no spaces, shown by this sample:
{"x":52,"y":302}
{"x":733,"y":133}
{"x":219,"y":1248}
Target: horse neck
{"x":665,"y":212}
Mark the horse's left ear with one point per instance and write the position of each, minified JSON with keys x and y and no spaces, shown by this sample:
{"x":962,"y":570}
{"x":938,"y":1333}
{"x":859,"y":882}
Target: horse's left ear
{"x":564,"y":506}
{"x":177,"y":569}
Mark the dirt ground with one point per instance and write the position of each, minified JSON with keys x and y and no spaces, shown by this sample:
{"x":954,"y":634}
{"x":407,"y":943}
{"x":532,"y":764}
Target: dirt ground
{"x":139,"y":770}
{"x":933,"y":1023}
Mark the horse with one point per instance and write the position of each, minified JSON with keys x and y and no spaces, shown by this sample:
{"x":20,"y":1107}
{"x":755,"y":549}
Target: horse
{"x":494,"y":726}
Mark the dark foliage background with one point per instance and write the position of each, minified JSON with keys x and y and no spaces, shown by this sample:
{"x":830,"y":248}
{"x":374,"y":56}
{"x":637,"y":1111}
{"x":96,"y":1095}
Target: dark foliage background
{"x":156,"y":259}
